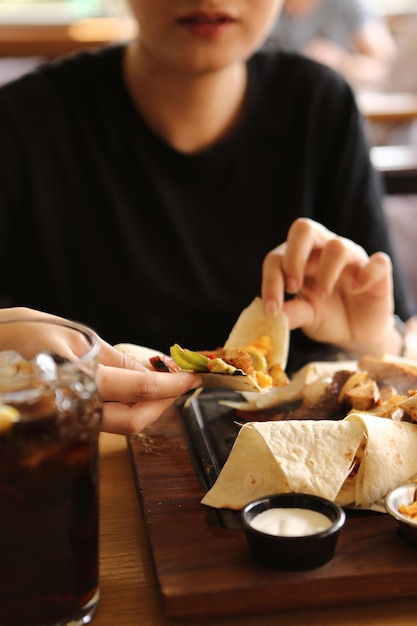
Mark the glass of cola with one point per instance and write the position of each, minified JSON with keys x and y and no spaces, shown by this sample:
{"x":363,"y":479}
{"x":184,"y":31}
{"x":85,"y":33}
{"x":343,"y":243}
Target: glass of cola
{"x":50,"y":416}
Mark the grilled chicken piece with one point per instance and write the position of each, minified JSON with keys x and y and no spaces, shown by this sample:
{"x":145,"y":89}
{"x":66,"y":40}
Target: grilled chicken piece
{"x":360,"y":392}
{"x":278,"y":375}
{"x":364,"y":397}
{"x":237,"y":357}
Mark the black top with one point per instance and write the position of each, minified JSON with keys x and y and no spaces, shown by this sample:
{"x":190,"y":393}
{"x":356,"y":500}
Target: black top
{"x":103,"y":222}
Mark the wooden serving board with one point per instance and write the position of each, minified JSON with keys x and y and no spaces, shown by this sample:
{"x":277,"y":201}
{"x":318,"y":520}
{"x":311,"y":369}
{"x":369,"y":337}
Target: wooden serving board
{"x":202,"y":562}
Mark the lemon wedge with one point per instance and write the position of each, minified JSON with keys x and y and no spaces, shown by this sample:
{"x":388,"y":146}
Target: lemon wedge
{"x":8,"y":415}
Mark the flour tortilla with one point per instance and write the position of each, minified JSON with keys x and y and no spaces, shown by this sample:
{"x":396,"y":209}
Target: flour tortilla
{"x":251,"y":324}
{"x":141,"y":354}
{"x":316,"y":457}
{"x":317,"y":373}
{"x":243,"y":383}
{"x":292,"y":456}
{"x":390,"y":457}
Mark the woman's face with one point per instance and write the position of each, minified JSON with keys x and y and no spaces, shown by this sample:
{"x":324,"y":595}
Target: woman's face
{"x":300,"y":8}
{"x":202,"y":35}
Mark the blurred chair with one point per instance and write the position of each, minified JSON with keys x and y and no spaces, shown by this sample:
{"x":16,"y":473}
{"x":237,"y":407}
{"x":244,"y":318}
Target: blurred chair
{"x":398,"y":166}
{"x":401,"y":212}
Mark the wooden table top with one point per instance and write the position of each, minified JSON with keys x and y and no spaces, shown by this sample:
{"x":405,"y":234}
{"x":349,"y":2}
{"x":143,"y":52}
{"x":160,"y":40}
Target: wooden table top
{"x":388,"y":108}
{"x":50,"y":40}
{"x":127,"y":582}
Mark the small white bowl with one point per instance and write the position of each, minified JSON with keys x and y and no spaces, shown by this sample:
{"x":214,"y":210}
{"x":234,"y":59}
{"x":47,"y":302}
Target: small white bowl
{"x":405,"y":494}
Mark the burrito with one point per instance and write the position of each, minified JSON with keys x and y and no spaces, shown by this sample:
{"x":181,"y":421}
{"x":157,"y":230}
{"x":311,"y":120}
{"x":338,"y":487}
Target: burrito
{"x":353,"y":462}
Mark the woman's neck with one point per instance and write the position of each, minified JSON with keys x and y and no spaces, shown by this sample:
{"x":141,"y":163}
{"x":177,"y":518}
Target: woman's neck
{"x":190,"y":112}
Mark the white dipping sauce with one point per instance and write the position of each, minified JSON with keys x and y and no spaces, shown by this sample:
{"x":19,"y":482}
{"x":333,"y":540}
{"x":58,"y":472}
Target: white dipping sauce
{"x":290,"y":522}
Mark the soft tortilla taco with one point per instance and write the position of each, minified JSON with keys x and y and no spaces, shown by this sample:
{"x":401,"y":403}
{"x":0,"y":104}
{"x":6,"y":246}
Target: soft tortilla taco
{"x":253,"y":359}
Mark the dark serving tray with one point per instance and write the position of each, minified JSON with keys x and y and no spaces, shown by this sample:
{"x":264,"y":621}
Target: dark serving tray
{"x":202,"y":563}
{"x":212,"y":429}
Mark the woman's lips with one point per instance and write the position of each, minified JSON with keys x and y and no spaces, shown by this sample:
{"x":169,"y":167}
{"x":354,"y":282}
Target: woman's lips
{"x":205,"y":24}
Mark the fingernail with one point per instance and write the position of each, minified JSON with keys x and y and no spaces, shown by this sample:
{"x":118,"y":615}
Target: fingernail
{"x":197,"y":383}
{"x":291,"y":285}
{"x":271,"y":308}
{"x":131,"y":364}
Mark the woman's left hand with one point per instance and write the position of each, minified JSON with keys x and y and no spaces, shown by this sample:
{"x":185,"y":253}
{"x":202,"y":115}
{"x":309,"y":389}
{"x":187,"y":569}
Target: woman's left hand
{"x":341,"y":296}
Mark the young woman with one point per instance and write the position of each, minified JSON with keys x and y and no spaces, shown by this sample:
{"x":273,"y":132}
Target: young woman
{"x":144,"y":188}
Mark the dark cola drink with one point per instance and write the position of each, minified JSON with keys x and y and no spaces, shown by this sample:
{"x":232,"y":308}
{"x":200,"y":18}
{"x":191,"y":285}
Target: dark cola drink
{"x":49,"y":497}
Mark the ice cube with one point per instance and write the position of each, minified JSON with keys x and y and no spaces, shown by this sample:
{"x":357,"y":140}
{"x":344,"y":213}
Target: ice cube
{"x":45,"y":368}
{"x":13,"y":368}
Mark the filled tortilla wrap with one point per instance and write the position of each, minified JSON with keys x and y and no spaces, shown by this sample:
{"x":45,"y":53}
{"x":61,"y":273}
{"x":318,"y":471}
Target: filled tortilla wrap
{"x":141,"y":354}
{"x":318,"y":457}
{"x":389,"y":457}
{"x":242,"y":383}
{"x":274,"y":457}
{"x":252,"y":327}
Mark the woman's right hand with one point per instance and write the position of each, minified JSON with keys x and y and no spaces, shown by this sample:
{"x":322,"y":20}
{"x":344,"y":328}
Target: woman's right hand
{"x":134,"y":396}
